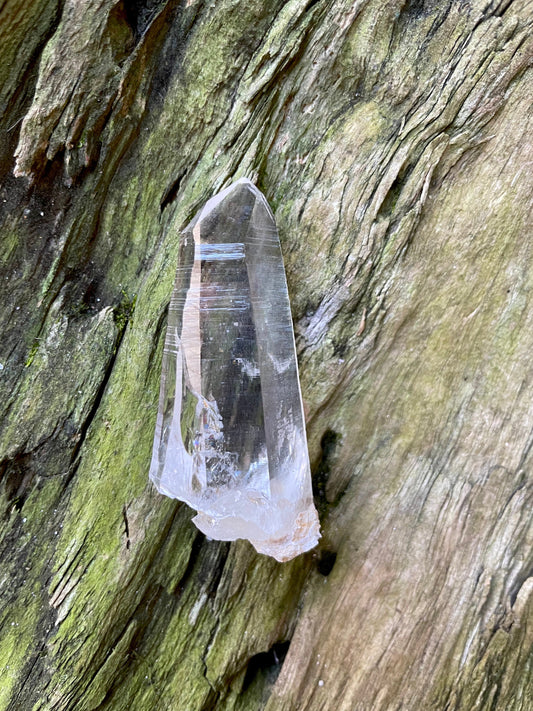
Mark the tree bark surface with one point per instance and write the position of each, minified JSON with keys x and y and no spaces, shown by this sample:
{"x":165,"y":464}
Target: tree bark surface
{"x":394,"y":141}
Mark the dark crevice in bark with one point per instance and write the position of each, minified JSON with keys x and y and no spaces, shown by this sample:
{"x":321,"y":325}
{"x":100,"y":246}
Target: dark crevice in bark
{"x":216,"y":570}
{"x":322,"y":469}
{"x":502,"y":8}
{"x":90,"y":302}
{"x":311,"y":4}
{"x":387,"y":207}
{"x":126,"y":526}
{"x":140,"y":13}
{"x":193,"y":559}
{"x":82,"y":292}
{"x":416,"y":10}
{"x":171,"y":46}
{"x":70,"y":570}
{"x":437,"y":23}
{"x":172,"y":192}
{"x":325,"y":562}
{"x":209,"y":569}
{"x":272,"y":86}
{"x":77,"y":170}
{"x":19,"y":474}
{"x":17,"y":477}
{"x":211,"y":703}
{"x":122,"y":317}
{"x":157,"y":336}
{"x":264,"y":668}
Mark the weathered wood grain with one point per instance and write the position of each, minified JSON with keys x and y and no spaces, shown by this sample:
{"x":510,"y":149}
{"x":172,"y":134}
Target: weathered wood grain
{"x":394,"y":142}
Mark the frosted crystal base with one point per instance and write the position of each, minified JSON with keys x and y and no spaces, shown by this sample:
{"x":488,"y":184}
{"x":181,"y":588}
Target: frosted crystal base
{"x":230,"y":435}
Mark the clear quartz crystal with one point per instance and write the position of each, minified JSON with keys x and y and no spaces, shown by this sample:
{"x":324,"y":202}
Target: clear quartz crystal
{"x":230,"y":435}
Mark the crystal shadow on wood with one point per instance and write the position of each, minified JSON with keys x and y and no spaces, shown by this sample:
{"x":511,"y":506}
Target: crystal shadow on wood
{"x":230,"y":435}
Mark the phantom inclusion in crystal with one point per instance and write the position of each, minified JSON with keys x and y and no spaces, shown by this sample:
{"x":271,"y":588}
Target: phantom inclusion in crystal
{"x":230,"y":435}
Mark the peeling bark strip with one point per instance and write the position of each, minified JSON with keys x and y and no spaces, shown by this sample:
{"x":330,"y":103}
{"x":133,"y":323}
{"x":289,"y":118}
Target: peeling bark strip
{"x":394,"y":141}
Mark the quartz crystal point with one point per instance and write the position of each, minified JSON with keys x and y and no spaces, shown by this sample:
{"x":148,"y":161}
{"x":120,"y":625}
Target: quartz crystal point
{"x":230,"y":436}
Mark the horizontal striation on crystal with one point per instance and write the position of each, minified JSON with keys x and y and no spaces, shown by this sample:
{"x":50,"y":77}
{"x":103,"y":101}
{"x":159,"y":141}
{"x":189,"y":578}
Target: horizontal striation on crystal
{"x":230,"y":435}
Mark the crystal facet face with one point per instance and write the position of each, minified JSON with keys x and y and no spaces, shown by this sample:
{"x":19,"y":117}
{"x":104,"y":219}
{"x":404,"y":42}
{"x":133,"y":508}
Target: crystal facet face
{"x":230,"y":436}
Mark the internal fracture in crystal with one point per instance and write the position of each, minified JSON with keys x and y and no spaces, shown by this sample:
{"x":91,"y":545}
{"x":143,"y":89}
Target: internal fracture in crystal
{"x":230,"y":435}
